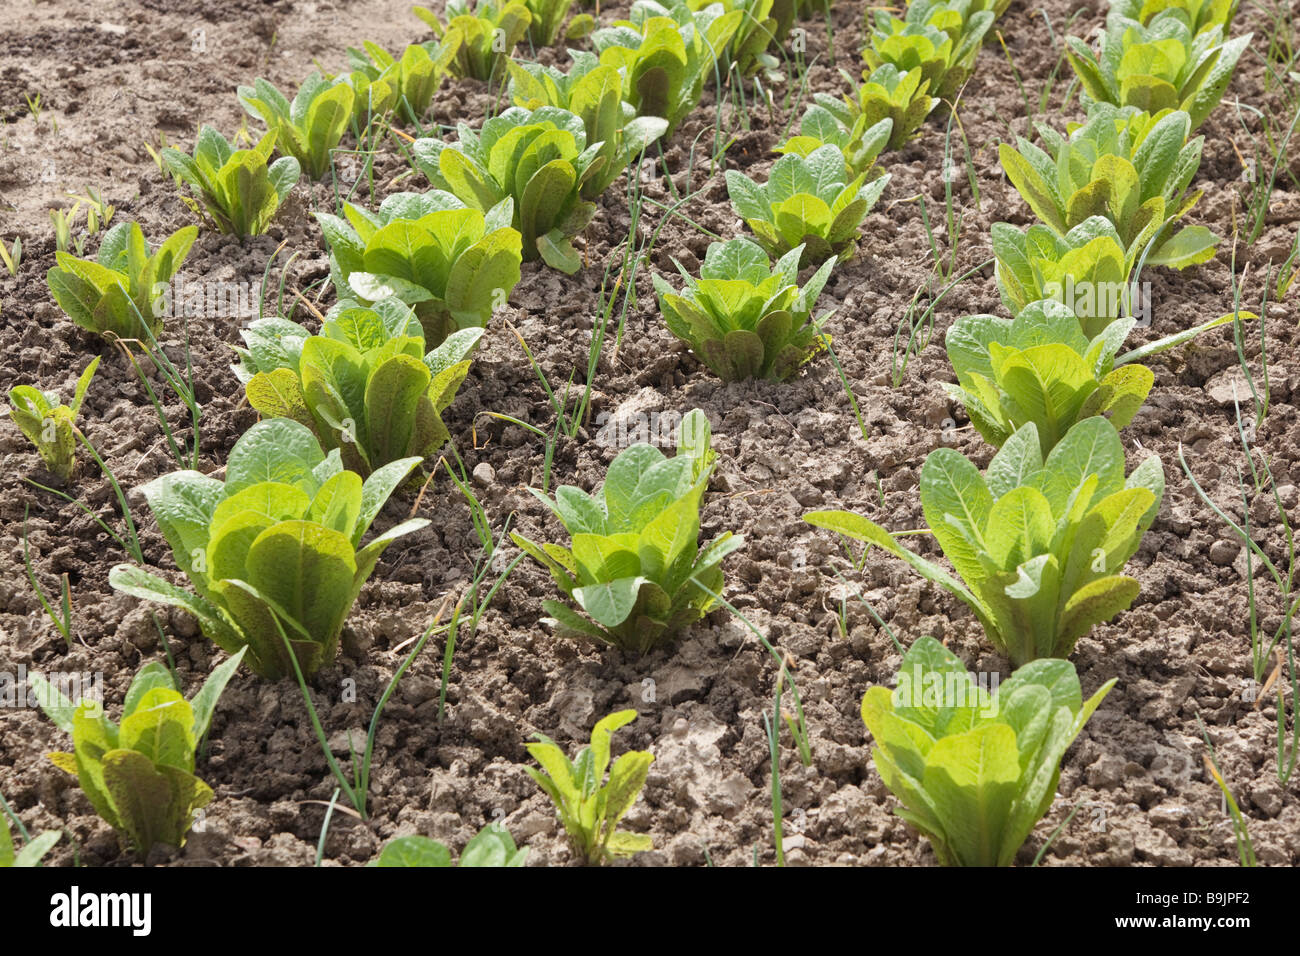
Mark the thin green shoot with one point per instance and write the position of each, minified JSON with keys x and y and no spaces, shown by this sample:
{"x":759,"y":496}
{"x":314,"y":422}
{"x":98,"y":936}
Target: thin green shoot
{"x":129,"y":545}
{"x":798,"y":724}
{"x":1038,"y":857}
{"x":1280,"y":154}
{"x":772,"y":729}
{"x":13,"y":817}
{"x":482,"y":567}
{"x":920,"y":328}
{"x":550,"y":440}
{"x":1238,"y":338}
{"x":266,"y":274}
{"x":63,"y":618}
{"x":848,"y":390}
{"x":182,"y":383}
{"x":880,"y":621}
{"x":132,"y":544}
{"x":167,"y":649}
{"x":1283,"y":638}
{"x":357,"y":791}
{"x":1245,"y":847}
{"x":325,"y":827}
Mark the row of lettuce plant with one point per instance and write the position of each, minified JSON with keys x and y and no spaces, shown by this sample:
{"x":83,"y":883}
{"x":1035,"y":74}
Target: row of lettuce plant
{"x":1039,"y":539}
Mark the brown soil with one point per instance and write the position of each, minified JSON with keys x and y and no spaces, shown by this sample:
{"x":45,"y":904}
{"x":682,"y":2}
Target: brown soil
{"x":114,"y":76}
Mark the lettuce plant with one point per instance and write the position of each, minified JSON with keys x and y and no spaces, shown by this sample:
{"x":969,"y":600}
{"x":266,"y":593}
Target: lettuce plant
{"x":237,"y":187}
{"x":940,"y":37}
{"x":974,"y":771}
{"x":119,"y":293}
{"x":1088,"y":267}
{"x":372,"y":96}
{"x":886,"y":93}
{"x":589,"y":806}
{"x":1162,"y":66}
{"x":859,"y":144}
{"x":484,"y":35}
{"x":808,"y":201}
{"x":635,"y":560}
{"x":540,"y":159}
{"x":139,"y":775}
{"x":364,"y":385}
{"x":49,"y":424}
{"x":1123,"y":164}
{"x":413,"y":78}
{"x":1036,"y":542}
{"x":664,"y":55}
{"x":1039,"y":367}
{"x":311,"y":126}
{"x":745,"y":318}
{"x":492,"y":846}
{"x":275,"y":549}
{"x":454,"y":265}
{"x":547,"y":16}
{"x":593,"y":93}
{"x":1200,"y":15}
{"x":764,"y":24}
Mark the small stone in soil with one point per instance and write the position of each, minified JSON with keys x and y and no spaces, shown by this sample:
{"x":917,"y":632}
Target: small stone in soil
{"x":1224,"y":552}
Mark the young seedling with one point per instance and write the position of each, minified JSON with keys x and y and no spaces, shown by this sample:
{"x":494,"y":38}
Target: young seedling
{"x":413,"y":78}
{"x":538,"y":159}
{"x":859,"y":144}
{"x":99,"y":212}
{"x":665,"y":54}
{"x":1200,"y":15}
{"x":764,"y":26}
{"x":276,"y":547}
{"x":1164,"y":65}
{"x":1089,"y":266}
{"x":941,"y":37}
{"x":493,"y":846}
{"x":745,"y":318}
{"x":1037,"y":543}
{"x":589,"y":807}
{"x":240,"y":192}
{"x":1123,"y":164}
{"x":455,"y":265}
{"x":62,"y":619}
{"x":900,"y":96}
{"x":310,"y":127}
{"x":49,"y":424}
{"x":635,"y":553}
{"x":594,"y":93}
{"x":974,"y":771}
{"x":139,"y":776}
{"x":12,"y":258}
{"x":364,"y":385}
{"x":808,"y":201}
{"x":117,"y":294}
{"x":483,"y":36}
{"x":546,"y":18}
{"x":1040,"y":368}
